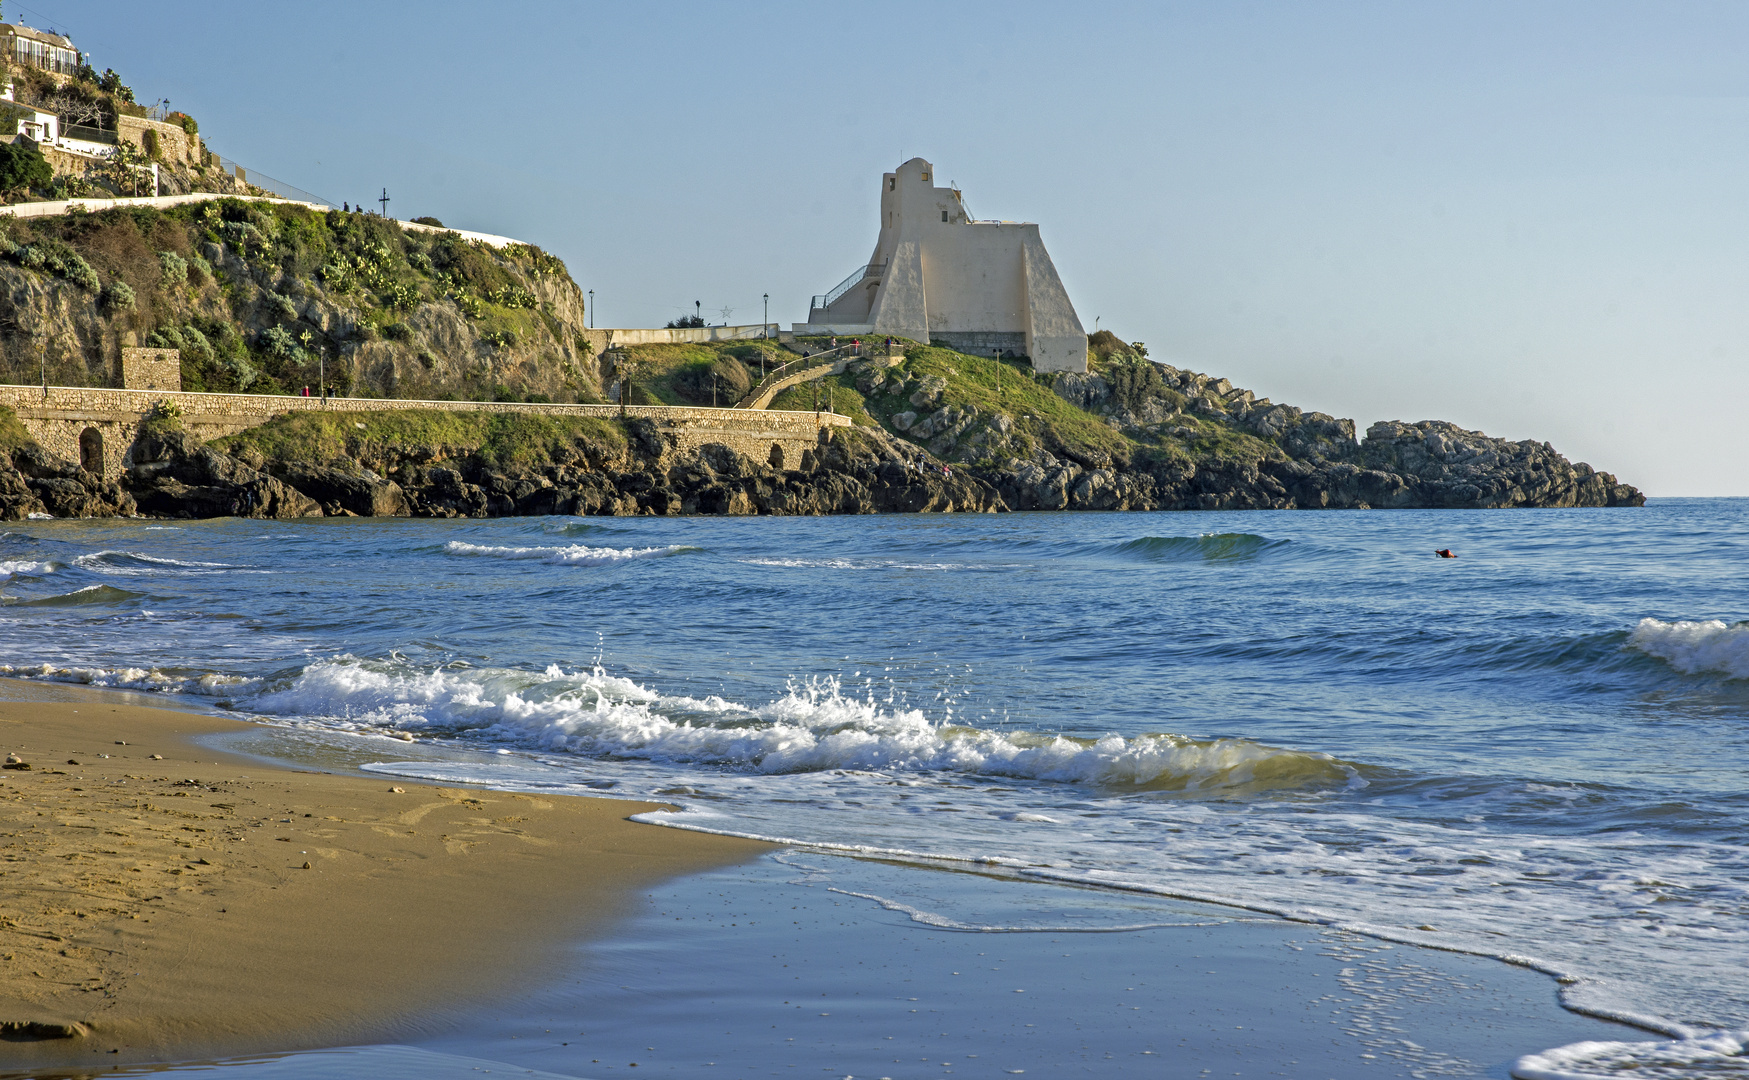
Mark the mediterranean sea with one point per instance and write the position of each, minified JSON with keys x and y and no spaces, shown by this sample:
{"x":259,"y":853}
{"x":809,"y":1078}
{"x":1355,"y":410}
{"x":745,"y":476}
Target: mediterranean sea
{"x":1532,"y":753}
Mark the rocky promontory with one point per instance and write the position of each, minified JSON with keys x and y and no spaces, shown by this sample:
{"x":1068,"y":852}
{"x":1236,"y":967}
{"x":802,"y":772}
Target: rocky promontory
{"x":425,"y":463}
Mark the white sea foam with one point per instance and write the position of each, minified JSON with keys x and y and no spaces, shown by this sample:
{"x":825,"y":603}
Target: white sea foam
{"x":1694,"y":648}
{"x":154,"y":680}
{"x":812,"y":727}
{"x":568,"y":554}
{"x":1720,"y":1053}
{"x":859,"y":564}
{"x":30,"y":567}
{"x":134,"y":562}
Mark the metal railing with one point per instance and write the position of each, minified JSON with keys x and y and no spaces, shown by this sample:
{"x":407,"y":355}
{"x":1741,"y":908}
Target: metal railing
{"x":857,"y":277}
{"x":825,"y":358}
{"x":269,"y":184}
{"x":88,"y":133}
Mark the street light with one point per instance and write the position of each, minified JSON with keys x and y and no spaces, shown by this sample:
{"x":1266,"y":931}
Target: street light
{"x":591,"y":309}
{"x":698,"y":312}
{"x":765,"y":331}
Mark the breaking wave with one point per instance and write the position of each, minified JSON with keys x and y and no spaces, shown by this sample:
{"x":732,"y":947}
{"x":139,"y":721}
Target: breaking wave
{"x":27,"y":567}
{"x":813,"y":727}
{"x":570,"y":554}
{"x":154,"y":680}
{"x":1696,"y":648}
{"x":1722,"y":1053}
{"x":132,"y":562}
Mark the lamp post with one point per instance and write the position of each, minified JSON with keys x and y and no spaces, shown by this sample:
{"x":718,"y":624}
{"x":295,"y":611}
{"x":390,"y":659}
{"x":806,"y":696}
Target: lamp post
{"x":698,"y":312}
{"x":591,"y":309}
{"x":765,"y":331}
{"x":322,"y":376}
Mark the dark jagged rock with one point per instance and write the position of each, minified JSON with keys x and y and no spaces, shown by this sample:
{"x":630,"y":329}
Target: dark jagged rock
{"x":34,"y":481}
{"x":176,"y":475}
{"x":361,"y":494}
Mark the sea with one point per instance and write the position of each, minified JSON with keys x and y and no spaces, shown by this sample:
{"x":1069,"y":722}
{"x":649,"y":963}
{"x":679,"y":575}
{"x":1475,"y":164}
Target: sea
{"x":1534,"y":751}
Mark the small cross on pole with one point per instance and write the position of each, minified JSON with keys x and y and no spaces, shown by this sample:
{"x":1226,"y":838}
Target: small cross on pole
{"x":385,"y":201}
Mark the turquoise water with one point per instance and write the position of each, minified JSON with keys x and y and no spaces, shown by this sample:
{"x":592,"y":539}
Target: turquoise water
{"x":1532,"y":751}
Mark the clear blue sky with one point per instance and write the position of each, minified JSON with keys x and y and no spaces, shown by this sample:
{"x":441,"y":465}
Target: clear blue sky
{"x":1528,"y":218}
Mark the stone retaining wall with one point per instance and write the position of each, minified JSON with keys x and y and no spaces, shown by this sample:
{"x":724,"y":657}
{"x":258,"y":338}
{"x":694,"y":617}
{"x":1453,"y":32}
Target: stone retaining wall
{"x":59,"y":417}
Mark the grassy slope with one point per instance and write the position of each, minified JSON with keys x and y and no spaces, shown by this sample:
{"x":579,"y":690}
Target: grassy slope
{"x":1039,"y":417}
{"x":503,"y":439}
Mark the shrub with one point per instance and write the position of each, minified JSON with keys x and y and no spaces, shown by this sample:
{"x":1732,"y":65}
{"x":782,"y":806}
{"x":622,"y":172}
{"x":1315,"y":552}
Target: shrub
{"x":174,"y":267}
{"x":22,"y":165}
{"x":276,"y":341}
{"x":118,"y":297}
{"x":431,"y":221}
{"x":282,"y":306}
{"x":398,"y":331}
{"x":470,"y":304}
{"x":499,"y":339}
{"x":149,"y":143}
{"x":195,"y":344}
{"x":685,"y":322}
{"x":165,"y":416}
{"x":187,"y":122}
{"x":56,"y":257}
{"x":397,"y":295}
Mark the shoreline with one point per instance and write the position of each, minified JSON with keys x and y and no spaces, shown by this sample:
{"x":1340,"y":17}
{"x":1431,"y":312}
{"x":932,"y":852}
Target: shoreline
{"x":170,"y":900}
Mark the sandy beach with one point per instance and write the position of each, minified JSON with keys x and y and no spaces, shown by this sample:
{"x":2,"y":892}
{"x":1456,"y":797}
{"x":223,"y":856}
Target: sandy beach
{"x":164,"y":901}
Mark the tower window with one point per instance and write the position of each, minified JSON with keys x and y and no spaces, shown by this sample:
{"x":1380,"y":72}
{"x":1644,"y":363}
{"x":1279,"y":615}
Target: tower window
{"x":892,"y":182}
{"x":926,"y":178}
{"x":944,"y":215}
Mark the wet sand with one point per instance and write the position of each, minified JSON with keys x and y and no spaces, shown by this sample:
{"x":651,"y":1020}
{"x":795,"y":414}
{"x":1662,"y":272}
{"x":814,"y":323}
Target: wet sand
{"x":165,"y":901}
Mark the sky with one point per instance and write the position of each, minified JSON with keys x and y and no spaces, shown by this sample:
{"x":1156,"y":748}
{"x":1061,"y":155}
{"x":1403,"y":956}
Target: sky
{"x":1528,"y":218}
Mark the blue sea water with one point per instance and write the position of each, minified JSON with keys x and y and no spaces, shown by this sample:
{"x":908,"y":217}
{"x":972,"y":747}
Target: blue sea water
{"x":1534,"y":751}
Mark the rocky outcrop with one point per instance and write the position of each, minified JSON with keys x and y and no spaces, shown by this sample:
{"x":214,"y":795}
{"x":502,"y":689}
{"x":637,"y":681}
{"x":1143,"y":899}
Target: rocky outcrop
{"x":1444,"y":465}
{"x":175,"y":475}
{"x":862,"y":473}
{"x":35,"y":482}
{"x":1292,"y":459}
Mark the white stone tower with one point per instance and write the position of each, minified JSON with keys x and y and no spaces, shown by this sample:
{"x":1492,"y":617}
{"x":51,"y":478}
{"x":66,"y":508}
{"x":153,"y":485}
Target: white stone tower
{"x":937,"y":275}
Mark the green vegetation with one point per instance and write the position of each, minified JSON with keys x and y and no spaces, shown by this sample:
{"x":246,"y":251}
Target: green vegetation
{"x":502,"y":439}
{"x":22,"y":166}
{"x":261,"y":332}
{"x":13,"y":435}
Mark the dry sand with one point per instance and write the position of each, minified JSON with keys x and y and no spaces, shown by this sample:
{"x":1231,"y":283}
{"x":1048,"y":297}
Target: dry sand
{"x":169,"y":901}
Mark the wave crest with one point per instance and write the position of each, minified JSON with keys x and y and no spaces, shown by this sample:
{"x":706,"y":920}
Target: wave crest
{"x":569,"y":554}
{"x":1208,"y":547}
{"x":812,"y":728}
{"x":1696,"y":648}
{"x":90,"y":594}
{"x":27,"y":567}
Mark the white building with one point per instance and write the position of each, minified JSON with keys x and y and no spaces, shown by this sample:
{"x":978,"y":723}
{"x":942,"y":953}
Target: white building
{"x":940,"y":276}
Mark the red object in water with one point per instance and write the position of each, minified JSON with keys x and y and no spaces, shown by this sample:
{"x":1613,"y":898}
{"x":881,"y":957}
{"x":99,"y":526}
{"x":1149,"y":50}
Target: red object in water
{"x":1445,"y":553}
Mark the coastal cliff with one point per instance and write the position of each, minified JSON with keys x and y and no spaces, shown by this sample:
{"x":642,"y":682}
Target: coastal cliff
{"x":270,"y":298}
